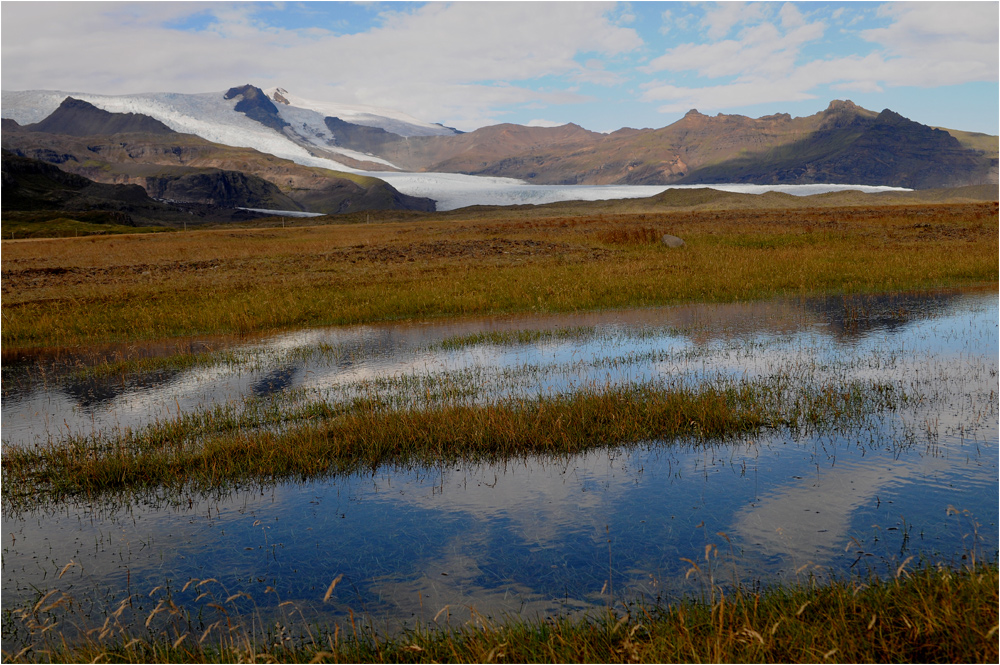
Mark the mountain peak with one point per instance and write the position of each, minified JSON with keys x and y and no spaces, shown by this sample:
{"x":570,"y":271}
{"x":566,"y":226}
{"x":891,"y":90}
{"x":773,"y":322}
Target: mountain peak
{"x":890,"y":116}
{"x":255,"y":105}
{"x":249,"y":92}
{"x":841,"y":113}
{"x":843,"y":105}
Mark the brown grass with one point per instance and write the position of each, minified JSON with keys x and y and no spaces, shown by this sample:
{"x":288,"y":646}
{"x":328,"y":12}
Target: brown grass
{"x":927,"y":615}
{"x":70,"y":291}
{"x":221,"y":446}
{"x":630,"y":235}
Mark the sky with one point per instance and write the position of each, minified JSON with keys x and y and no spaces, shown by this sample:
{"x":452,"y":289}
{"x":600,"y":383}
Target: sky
{"x":472,"y":64}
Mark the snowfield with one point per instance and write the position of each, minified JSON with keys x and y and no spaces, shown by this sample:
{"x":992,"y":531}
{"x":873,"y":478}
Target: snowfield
{"x":370,"y":116}
{"x":310,"y":127}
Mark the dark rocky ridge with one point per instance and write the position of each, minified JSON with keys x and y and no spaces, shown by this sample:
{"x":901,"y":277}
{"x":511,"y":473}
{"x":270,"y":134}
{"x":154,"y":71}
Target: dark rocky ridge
{"x":219,"y":187}
{"x":255,"y":105}
{"x":29,"y":184}
{"x":75,"y":117}
{"x":46,"y":191}
{"x":359,"y":137}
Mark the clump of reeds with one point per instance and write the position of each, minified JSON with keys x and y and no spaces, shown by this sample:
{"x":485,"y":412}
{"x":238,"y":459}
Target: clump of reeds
{"x":269,"y":441}
{"x":932,"y":614}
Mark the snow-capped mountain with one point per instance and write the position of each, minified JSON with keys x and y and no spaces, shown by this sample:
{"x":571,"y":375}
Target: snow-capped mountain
{"x":208,"y":115}
{"x":305,"y":139}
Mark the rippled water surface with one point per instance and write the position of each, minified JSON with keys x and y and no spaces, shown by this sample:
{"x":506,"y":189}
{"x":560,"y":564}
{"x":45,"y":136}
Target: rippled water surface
{"x":535,"y":535}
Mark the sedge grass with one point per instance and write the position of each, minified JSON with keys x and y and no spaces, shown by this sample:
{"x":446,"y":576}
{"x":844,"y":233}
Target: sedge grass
{"x":514,"y":337}
{"x":270,"y":441}
{"x":74,"y":291}
{"x":929,"y":614}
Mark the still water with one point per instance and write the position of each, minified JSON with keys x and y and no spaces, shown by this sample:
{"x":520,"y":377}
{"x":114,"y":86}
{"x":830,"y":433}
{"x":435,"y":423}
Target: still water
{"x":536,"y":536}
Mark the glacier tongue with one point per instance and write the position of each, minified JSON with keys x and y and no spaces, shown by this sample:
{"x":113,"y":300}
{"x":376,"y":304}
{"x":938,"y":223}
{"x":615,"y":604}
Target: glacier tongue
{"x":456,"y":190}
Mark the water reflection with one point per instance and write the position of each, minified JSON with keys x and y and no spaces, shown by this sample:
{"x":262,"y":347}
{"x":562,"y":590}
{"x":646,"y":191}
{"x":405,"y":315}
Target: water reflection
{"x":51,"y":395}
{"x":539,"y":536}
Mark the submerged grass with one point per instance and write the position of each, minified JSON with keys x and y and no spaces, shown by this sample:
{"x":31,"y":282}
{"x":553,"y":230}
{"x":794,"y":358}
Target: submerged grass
{"x":271,"y":441}
{"x":124,"y":369}
{"x":512,"y":337}
{"x":931,"y":614}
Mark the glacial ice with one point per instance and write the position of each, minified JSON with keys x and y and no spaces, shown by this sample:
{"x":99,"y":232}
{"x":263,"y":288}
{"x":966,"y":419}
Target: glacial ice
{"x":211,"y":117}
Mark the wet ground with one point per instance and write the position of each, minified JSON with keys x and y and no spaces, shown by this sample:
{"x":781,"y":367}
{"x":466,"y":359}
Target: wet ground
{"x":536,"y":536}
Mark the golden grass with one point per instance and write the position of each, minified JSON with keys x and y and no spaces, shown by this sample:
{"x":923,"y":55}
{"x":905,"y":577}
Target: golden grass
{"x":923,"y":616}
{"x":73,"y":291}
{"x":267,"y":442}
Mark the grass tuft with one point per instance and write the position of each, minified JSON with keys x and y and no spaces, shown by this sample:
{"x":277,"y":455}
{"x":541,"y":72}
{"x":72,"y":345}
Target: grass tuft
{"x":269,"y":441}
{"x":932,"y":614}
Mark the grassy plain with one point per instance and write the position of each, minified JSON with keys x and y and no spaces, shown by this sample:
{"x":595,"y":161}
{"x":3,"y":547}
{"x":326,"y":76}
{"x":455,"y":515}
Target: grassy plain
{"x":66,"y":224}
{"x":74,"y":291}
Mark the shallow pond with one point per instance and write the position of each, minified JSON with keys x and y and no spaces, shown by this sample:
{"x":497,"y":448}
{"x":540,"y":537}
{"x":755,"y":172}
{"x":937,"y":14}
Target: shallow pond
{"x":534,"y":536}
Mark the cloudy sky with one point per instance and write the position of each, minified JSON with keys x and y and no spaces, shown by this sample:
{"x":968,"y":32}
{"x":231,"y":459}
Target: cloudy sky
{"x":470,"y":64}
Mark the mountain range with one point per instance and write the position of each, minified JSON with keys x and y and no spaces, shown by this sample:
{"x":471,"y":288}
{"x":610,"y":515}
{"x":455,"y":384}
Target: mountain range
{"x":136,"y":149}
{"x":247,"y":147}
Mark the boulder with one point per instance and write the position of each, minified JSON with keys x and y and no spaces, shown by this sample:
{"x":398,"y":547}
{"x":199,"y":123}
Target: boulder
{"x":671,"y":241}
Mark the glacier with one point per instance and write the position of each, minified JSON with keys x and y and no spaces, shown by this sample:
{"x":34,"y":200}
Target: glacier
{"x":214,"y":118}
{"x":390,"y":120}
{"x":455,"y":190}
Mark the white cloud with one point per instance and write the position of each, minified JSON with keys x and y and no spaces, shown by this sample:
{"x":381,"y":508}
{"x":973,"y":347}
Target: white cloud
{"x":791,"y":17}
{"x":857,"y":86}
{"x":940,"y":43}
{"x":926,"y":44}
{"x":762,"y":50}
{"x":438,"y":61}
{"x":720,"y":19}
{"x":466,"y":63}
{"x":938,"y":24}
{"x":666,"y":22}
{"x":594,"y":72}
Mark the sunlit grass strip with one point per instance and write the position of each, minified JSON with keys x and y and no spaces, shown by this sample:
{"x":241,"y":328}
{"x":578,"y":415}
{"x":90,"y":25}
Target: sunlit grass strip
{"x":927,"y":615}
{"x":161,"y":285}
{"x":273,"y":441}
